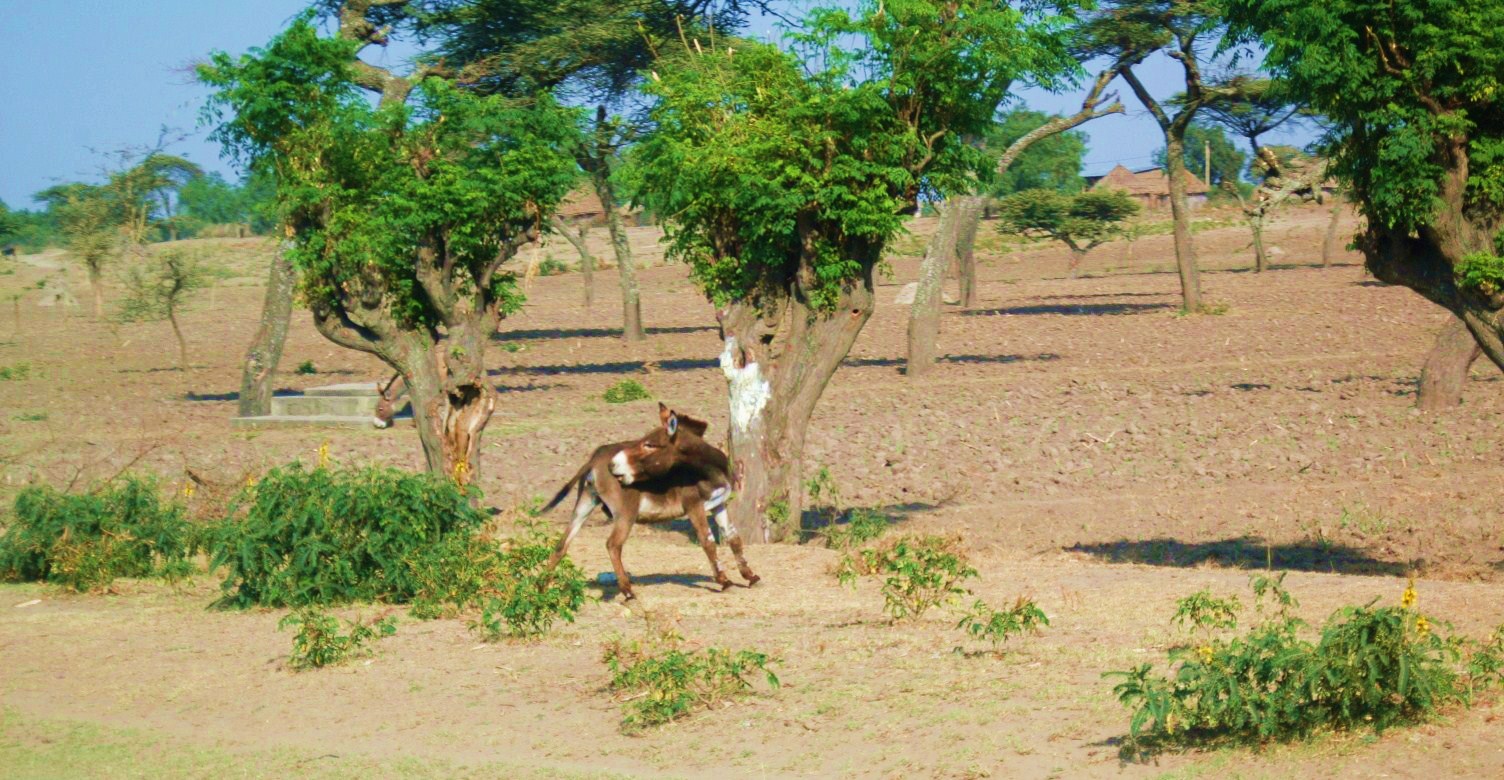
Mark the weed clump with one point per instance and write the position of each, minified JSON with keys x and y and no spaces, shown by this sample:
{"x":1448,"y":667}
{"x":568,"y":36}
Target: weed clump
{"x":319,"y":642}
{"x":306,"y":368}
{"x":86,"y":541}
{"x":661,"y":680}
{"x":329,"y":536}
{"x":919,"y":572}
{"x":1371,"y":668}
{"x":626,"y":390}
{"x":997,"y":626}
{"x":16,"y":372}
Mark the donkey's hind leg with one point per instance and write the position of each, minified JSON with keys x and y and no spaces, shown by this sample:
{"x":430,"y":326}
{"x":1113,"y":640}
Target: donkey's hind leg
{"x":707,"y":543}
{"x":728,"y":532}
{"x":585,"y":502}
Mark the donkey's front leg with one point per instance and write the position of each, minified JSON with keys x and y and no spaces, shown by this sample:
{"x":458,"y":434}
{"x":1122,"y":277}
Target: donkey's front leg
{"x":618,"y":539}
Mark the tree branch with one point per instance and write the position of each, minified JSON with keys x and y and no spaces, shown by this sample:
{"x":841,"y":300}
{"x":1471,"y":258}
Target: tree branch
{"x":355,"y":26}
{"x":1090,"y":109}
{"x":1147,"y":99}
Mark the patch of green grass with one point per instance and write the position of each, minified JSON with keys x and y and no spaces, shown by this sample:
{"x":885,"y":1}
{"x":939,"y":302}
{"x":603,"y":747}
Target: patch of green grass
{"x":44,"y":749}
{"x":306,"y":367}
{"x":31,"y":417}
{"x":626,"y":390}
{"x":16,"y":372}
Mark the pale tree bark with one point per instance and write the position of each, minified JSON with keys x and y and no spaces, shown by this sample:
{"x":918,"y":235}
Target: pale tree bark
{"x":959,"y":241}
{"x":631,"y":299}
{"x":777,"y":360}
{"x":1260,"y":256}
{"x":177,"y":330}
{"x":1329,"y":242}
{"x":924,"y":317}
{"x":259,"y":370}
{"x":576,"y":234}
{"x":1446,"y":369}
{"x":96,"y":286}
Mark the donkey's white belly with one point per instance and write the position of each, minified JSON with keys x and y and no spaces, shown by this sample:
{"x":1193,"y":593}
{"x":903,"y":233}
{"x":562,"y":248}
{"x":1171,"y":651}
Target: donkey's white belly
{"x":652,"y":508}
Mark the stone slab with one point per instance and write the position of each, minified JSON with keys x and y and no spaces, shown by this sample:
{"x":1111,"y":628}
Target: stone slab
{"x":344,"y":389}
{"x":309,"y":421}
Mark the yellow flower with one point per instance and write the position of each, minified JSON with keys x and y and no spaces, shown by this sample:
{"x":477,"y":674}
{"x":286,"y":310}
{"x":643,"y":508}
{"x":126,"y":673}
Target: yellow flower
{"x":324,"y":455}
{"x":461,"y":469}
{"x":1422,"y":626}
{"x":250,"y":481}
{"x":187,"y":490}
{"x":1407,"y":599}
{"x":1205,"y":651}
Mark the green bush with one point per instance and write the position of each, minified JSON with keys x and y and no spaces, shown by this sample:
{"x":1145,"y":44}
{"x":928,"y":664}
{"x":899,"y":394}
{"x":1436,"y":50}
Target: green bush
{"x":85,"y":541}
{"x":661,"y":681}
{"x":330,"y":536}
{"x":1371,"y":668}
{"x":307,"y":367}
{"x":552,"y":266}
{"x":626,"y":390}
{"x":1482,"y":271}
{"x":998,"y":625}
{"x":319,"y":643}
{"x":861,"y":527}
{"x":919,"y":572}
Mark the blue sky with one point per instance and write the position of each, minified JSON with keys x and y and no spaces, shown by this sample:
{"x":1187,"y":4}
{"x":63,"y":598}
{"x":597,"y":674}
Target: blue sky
{"x":82,"y":77}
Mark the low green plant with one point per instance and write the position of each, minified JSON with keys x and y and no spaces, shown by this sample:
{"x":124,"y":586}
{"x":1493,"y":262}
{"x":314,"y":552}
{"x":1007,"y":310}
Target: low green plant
{"x":335,"y":535}
{"x":319,"y":641}
{"x":526,"y":598}
{"x":1481,"y":271}
{"x":552,"y":266}
{"x":1201,"y":610}
{"x":512,"y":346}
{"x":85,"y":541}
{"x":1370,"y":668}
{"x":307,"y":367}
{"x":31,"y":417}
{"x":16,"y":372}
{"x":661,"y":681}
{"x":919,"y":572}
{"x":861,"y":527}
{"x":626,"y":390}
{"x":998,"y":625}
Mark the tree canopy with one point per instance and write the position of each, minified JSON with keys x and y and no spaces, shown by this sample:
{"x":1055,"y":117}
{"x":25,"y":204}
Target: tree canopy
{"x":1081,"y":221}
{"x":1227,"y":160}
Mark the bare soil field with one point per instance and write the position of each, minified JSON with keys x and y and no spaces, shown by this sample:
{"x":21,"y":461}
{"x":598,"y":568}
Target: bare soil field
{"x":1100,"y":454}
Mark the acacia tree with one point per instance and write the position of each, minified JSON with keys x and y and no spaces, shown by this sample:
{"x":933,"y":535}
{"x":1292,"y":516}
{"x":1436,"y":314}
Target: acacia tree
{"x":960,"y":215}
{"x":1252,"y":108}
{"x":1412,"y":90}
{"x":159,"y":289}
{"x":1187,"y":31}
{"x":1083,"y":221}
{"x":401,"y":216}
{"x":784,"y":176}
{"x":90,"y":225}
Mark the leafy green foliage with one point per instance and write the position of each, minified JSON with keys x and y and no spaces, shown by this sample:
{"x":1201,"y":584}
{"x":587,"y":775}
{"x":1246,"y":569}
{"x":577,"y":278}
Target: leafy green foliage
{"x":662,"y":681}
{"x":783,"y":170}
{"x":552,"y":266}
{"x":1081,"y":221}
{"x":1481,"y":271}
{"x":842,"y":528}
{"x":523,"y":598}
{"x":367,"y":189}
{"x":1203,"y":611}
{"x":328,"y":536}
{"x":210,"y":200}
{"x":919,"y":572}
{"x":1400,"y":83}
{"x":319,"y":643}
{"x":15,"y":372}
{"x":998,"y":625}
{"x":1051,"y":163}
{"x":88,"y":222}
{"x":626,"y":390}
{"x":1372,"y":667}
{"x":306,"y":368}
{"x":85,"y":541}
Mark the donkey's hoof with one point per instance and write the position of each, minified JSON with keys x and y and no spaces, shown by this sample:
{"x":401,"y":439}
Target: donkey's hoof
{"x":725,"y":584}
{"x":753,"y":579}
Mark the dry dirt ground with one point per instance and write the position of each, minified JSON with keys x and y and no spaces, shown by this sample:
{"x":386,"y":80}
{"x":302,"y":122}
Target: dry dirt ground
{"x":1101,"y":454}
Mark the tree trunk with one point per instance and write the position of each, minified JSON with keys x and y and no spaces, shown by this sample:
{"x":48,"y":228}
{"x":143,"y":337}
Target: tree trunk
{"x":96,"y":285}
{"x":576,"y":236}
{"x":1329,"y":243}
{"x":1260,"y":256}
{"x":451,"y":398}
{"x":172,"y":317}
{"x":924,"y":316}
{"x":631,"y":303}
{"x":1446,"y":369}
{"x":1180,"y":212}
{"x":265,"y":352}
{"x":967,"y":224}
{"x":1078,"y":256}
{"x":777,"y":366}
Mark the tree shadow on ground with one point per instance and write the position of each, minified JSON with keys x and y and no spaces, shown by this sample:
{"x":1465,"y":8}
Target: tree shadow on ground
{"x":900,"y":362}
{"x":616,"y":367}
{"x":281,"y":392}
{"x":1100,"y":295}
{"x":1246,"y":552}
{"x":540,"y":334}
{"x":1072,"y":310}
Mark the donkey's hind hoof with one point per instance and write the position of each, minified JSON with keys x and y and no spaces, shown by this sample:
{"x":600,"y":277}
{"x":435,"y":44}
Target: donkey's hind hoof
{"x":753,"y":580}
{"x":725,"y":584}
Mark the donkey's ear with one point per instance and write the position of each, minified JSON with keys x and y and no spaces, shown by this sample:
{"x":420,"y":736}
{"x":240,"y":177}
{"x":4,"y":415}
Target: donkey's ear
{"x":697,"y":427}
{"x":672,"y":425}
{"x":664,"y":413}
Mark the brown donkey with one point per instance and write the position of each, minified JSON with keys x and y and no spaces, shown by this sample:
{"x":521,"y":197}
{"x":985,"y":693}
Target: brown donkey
{"x":669,"y":473}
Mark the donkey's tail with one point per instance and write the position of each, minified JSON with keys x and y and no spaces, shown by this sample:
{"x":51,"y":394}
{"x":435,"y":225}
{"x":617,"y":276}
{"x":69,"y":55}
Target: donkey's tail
{"x":564,"y":491}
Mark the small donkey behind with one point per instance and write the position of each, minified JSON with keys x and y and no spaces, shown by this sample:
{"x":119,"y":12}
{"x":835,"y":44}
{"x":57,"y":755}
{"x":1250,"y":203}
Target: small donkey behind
{"x":671,"y":472}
